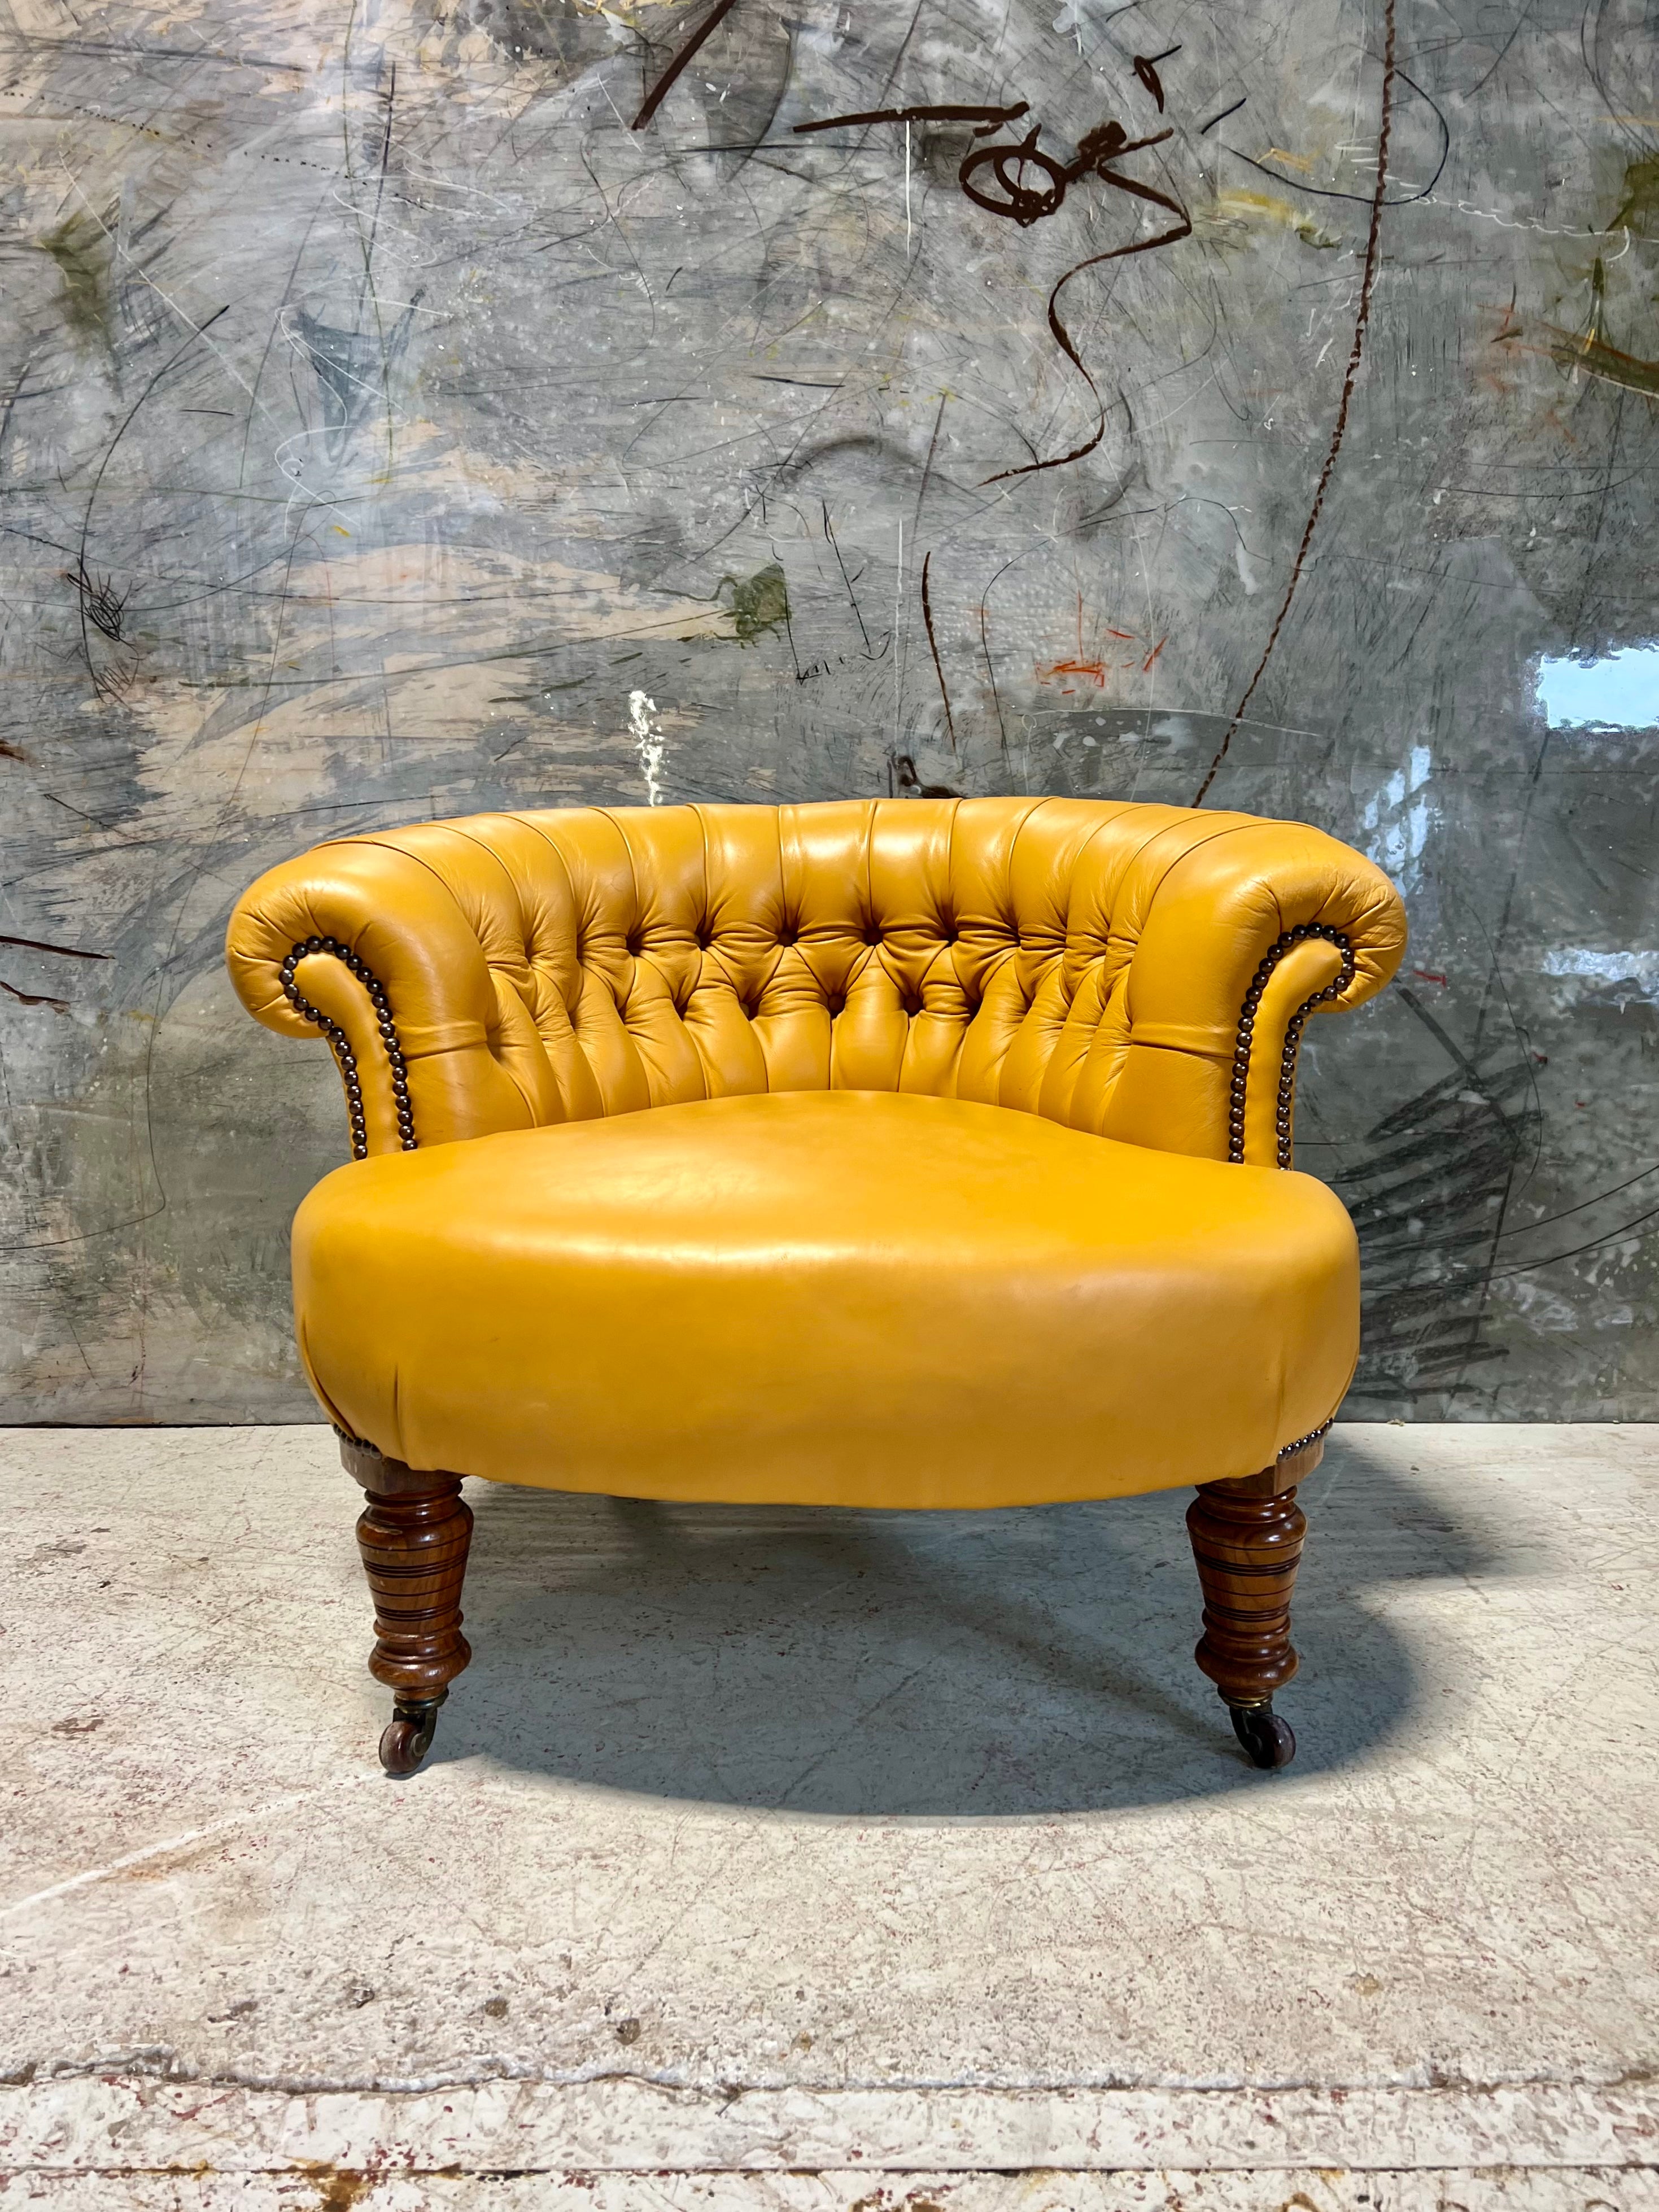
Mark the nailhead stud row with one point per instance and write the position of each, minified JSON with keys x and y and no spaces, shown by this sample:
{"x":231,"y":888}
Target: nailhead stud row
{"x":1312,"y":1437}
{"x":342,"y":1047}
{"x":1259,"y":984}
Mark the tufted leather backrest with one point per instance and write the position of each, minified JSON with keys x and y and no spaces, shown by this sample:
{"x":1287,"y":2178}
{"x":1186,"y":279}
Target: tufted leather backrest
{"x":587,"y":962}
{"x":657,"y":955}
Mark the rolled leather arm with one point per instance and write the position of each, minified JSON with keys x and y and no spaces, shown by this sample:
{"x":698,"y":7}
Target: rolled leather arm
{"x":1245,"y":937}
{"x":364,"y":944}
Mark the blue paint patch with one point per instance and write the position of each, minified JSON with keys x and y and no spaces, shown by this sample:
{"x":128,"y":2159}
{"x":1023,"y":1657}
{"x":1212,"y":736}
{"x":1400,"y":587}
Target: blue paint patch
{"x":1620,"y":692}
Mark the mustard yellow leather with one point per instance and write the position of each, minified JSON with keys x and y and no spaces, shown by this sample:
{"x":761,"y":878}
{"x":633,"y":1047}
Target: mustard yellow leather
{"x":1083,"y":960}
{"x":936,"y":1205}
{"x":866,"y":1299}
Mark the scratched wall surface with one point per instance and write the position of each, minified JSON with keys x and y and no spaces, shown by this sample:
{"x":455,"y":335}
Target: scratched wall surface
{"x":1252,"y":400}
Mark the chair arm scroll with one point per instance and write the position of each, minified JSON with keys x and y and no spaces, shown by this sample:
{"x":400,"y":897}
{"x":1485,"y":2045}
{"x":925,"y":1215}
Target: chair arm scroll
{"x":1252,"y":931}
{"x":365,"y":942}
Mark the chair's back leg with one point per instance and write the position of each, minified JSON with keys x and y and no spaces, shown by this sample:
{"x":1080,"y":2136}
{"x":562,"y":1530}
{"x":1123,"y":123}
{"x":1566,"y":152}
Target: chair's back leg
{"x":413,"y":1534}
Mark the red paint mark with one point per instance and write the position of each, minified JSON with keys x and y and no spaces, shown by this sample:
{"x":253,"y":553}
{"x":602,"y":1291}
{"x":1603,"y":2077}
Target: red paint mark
{"x":1093,"y":671}
{"x":1427,"y":975}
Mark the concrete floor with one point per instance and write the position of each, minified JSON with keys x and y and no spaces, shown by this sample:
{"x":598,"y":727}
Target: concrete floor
{"x":784,"y":1861}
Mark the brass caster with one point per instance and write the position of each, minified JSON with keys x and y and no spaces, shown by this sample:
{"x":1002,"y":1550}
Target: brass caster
{"x":1266,"y":1735}
{"x":407,"y":1737}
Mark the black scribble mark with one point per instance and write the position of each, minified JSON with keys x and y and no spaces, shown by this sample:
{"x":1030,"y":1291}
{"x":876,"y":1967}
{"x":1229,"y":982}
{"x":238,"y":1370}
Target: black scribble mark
{"x":1596,"y":1244}
{"x":901,"y":773}
{"x":1428,"y":1199}
{"x":986,"y":119}
{"x":990,"y":671}
{"x":665,"y":83}
{"x":1361,"y":199}
{"x":33,"y":998}
{"x":103,"y":49}
{"x":1182,"y":228}
{"x":1025,"y":206}
{"x":1145,"y":68}
{"x":100,"y":684}
{"x":928,"y":465}
{"x":102,"y":604}
{"x":1526,"y":1228}
{"x":64,"y":952}
{"x":933,"y":646}
{"x":870,"y":651}
{"x":1367,"y":286}
{"x":353,"y":369}
{"x":1225,"y":113}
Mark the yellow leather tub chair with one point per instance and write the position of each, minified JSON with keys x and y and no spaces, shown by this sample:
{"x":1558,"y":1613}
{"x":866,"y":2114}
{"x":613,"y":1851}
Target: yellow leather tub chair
{"x":905,"y":1153}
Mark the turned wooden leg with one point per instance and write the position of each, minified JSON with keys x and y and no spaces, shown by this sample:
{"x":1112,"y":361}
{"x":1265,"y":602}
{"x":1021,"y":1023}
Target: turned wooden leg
{"x":1247,"y":1540}
{"x":413,"y":1534}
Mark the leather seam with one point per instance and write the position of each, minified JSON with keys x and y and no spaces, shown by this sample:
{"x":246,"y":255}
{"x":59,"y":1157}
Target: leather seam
{"x":311,"y":947}
{"x":1291,"y":939}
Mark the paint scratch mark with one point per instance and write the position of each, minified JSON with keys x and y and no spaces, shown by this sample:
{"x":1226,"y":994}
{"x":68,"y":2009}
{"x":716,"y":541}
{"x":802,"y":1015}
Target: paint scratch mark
{"x":665,"y":83}
{"x":1223,"y":116}
{"x":991,"y":673}
{"x":67,"y":951}
{"x":1362,"y":318}
{"x":933,"y":643}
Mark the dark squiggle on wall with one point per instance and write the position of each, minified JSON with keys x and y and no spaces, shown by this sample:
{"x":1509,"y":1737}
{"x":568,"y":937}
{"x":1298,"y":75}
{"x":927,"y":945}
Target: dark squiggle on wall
{"x":665,"y":83}
{"x":984,"y":119}
{"x":1367,"y":286}
{"x":933,"y":646}
{"x":1062,"y":335}
{"x":1426,"y":1195}
{"x":1098,"y":151}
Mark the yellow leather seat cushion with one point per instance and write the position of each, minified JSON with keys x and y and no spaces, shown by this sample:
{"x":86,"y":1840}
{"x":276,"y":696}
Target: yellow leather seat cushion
{"x":826,"y":1298}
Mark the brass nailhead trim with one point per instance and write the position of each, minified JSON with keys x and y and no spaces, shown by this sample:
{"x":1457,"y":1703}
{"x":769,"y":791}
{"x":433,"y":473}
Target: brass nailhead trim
{"x":337,"y":1039}
{"x":1312,"y":1437}
{"x":1259,"y":984}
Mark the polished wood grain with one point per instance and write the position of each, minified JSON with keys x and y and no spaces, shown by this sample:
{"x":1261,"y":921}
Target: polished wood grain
{"x":413,"y":1534}
{"x":1247,"y":1540}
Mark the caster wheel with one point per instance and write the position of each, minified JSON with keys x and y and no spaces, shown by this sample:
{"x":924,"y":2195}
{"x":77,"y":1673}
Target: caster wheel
{"x":1266,"y":1735}
{"x":407,"y":1737}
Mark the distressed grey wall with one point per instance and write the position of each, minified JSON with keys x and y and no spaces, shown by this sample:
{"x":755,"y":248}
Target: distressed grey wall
{"x":389,"y":430}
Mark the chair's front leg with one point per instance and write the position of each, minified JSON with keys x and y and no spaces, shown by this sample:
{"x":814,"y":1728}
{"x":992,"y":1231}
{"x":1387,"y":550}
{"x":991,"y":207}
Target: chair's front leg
{"x":1247,"y":1540}
{"x":413,"y":1534}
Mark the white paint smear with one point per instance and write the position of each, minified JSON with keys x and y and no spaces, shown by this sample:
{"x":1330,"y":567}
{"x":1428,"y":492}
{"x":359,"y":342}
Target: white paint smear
{"x":1397,"y":820}
{"x":1620,"y":692}
{"x":648,"y":742}
{"x":1633,"y":975}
